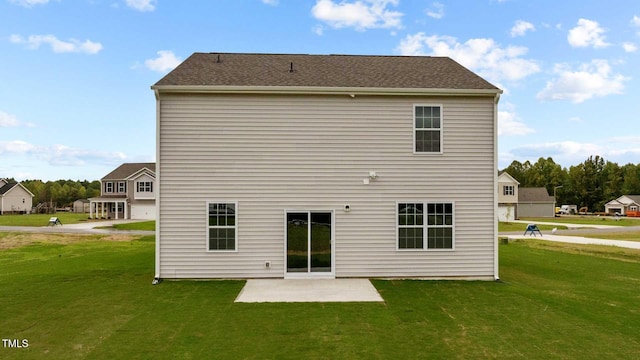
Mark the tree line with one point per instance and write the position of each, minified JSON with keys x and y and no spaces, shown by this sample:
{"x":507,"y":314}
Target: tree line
{"x":62,"y":192}
{"x":592,"y":183}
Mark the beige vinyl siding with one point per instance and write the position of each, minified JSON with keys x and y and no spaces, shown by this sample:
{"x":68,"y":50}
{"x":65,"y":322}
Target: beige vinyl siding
{"x":275,"y":153}
{"x":12,"y":201}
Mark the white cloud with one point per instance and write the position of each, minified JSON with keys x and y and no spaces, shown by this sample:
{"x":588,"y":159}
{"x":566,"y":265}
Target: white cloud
{"x":635,"y":21}
{"x":575,"y":119}
{"x":484,"y":56}
{"x":436,"y":11}
{"x":8,"y":120}
{"x":318,"y":30}
{"x":142,"y":5}
{"x":270,"y":2}
{"x":165,"y":61}
{"x":29,"y":3}
{"x":590,"y":80}
{"x":621,"y":150}
{"x":587,"y":33}
{"x":629,"y":47}
{"x":521,"y":27}
{"x":58,"y":46}
{"x":360,"y":14}
{"x":61,"y":155}
{"x":509,"y":124}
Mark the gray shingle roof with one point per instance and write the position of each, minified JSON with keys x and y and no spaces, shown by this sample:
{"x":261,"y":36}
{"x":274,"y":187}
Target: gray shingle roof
{"x":4,"y":189}
{"x":127,"y":169}
{"x":346,"y":71}
{"x":534,"y":194}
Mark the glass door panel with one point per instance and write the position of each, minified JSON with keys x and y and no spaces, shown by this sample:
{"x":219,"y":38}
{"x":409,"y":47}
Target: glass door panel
{"x":297,"y":242}
{"x":320,"y":254}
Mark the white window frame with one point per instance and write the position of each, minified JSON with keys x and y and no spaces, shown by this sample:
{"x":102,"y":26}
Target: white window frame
{"x":508,"y":190}
{"x":235,"y":203}
{"x":144,"y":186}
{"x":415,"y":129}
{"x":108,"y":187}
{"x":425,"y":225}
{"x":122,"y":187}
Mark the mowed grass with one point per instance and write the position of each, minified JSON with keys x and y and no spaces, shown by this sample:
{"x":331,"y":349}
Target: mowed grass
{"x":93,"y":299}
{"x":140,"y":225}
{"x":42,"y":219}
{"x":589,"y":220}
{"x":514,"y":227}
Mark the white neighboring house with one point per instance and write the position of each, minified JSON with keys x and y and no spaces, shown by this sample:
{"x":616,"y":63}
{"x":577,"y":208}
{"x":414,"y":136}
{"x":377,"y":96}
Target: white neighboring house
{"x":623,"y":204}
{"x":128,"y":192}
{"x":507,"y":197}
{"x":324,"y":166}
{"x":14,"y":198}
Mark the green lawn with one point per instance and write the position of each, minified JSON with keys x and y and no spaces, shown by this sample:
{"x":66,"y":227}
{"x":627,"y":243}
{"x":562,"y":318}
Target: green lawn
{"x":589,"y":220}
{"x":42,"y":219}
{"x":513,"y":227}
{"x":94,"y":299}
{"x":142,"y":225}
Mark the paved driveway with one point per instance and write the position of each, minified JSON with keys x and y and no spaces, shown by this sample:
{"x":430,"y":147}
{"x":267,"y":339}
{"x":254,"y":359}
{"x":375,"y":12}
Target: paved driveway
{"x":88,"y":227}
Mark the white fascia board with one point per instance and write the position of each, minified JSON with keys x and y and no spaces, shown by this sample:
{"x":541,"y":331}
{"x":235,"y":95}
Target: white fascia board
{"x":304,"y":90}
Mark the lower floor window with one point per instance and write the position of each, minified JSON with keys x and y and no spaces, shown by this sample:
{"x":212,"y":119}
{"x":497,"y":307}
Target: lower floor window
{"x":221,"y":226}
{"x":425,"y":225}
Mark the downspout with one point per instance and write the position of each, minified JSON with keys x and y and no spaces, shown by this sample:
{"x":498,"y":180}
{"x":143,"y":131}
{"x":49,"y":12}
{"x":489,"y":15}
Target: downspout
{"x":496,"y":274}
{"x":157,"y":279}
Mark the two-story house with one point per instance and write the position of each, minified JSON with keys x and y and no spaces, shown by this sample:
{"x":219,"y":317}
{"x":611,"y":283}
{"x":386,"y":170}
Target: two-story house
{"x":128,"y":192}
{"x":507,"y":197}
{"x":285,"y":166}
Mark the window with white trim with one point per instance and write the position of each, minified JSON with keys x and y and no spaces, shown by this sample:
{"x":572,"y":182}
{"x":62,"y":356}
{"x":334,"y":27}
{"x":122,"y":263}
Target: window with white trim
{"x":508,"y":190}
{"x":221,"y":226}
{"x":427,"y":129}
{"x":425,"y":225}
{"x":108,"y":187}
{"x":144,"y":186}
{"x":122,"y":187}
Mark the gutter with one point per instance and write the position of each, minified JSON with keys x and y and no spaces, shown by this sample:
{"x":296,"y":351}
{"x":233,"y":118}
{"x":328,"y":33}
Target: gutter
{"x":314,"y":90}
{"x":496,"y":266}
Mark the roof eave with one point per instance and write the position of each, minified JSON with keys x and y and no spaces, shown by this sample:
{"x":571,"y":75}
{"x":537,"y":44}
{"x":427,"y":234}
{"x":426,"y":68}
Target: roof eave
{"x":316,"y":90}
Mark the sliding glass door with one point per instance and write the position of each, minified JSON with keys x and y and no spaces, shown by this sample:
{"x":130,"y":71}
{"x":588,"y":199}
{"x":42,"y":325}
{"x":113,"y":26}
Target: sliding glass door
{"x":309,"y":242}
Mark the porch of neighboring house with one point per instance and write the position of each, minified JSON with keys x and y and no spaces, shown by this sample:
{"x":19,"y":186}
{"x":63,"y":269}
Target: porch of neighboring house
{"x":108,"y":208}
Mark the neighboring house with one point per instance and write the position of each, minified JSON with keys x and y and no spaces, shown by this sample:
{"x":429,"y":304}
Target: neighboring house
{"x":507,"y":197}
{"x":14,"y":198}
{"x":623,"y":205}
{"x":535,"y":202}
{"x":284,"y":166}
{"x":81,"y":206}
{"x":128,"y":192}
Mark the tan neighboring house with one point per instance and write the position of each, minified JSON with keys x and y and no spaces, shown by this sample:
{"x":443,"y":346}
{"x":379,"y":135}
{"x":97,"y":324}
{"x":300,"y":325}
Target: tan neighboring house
{"x":535,"y":202}
{"x":623,"y":205}
{"x":81,"y":206}
{"x":128,"y":192}
{"x":507,"y":197}
{"x":14,"y":198}
{"x":325,"y":166}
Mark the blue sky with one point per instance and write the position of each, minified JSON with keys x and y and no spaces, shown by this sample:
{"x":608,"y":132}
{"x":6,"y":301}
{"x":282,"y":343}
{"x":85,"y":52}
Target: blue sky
{"x":75,"y":100}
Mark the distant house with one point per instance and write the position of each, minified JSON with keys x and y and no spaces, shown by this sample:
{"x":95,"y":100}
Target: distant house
{"x":14,"y":198}
{"x":81,"y":206}
{"x":535,"y":202}
{"x":127,"y":192}
{"x":289,"y":166}
{"x":507,"y":197}
{"x":623,"y":204}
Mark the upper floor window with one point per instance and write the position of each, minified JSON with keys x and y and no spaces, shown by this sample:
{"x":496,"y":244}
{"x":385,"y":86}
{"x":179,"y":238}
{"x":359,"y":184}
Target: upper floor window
{"x":508,"y":190}
{"x":122,"y":187}
{"x":108,"y":187}
{"x":427,"y":128}
{"x":144,"y":186}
